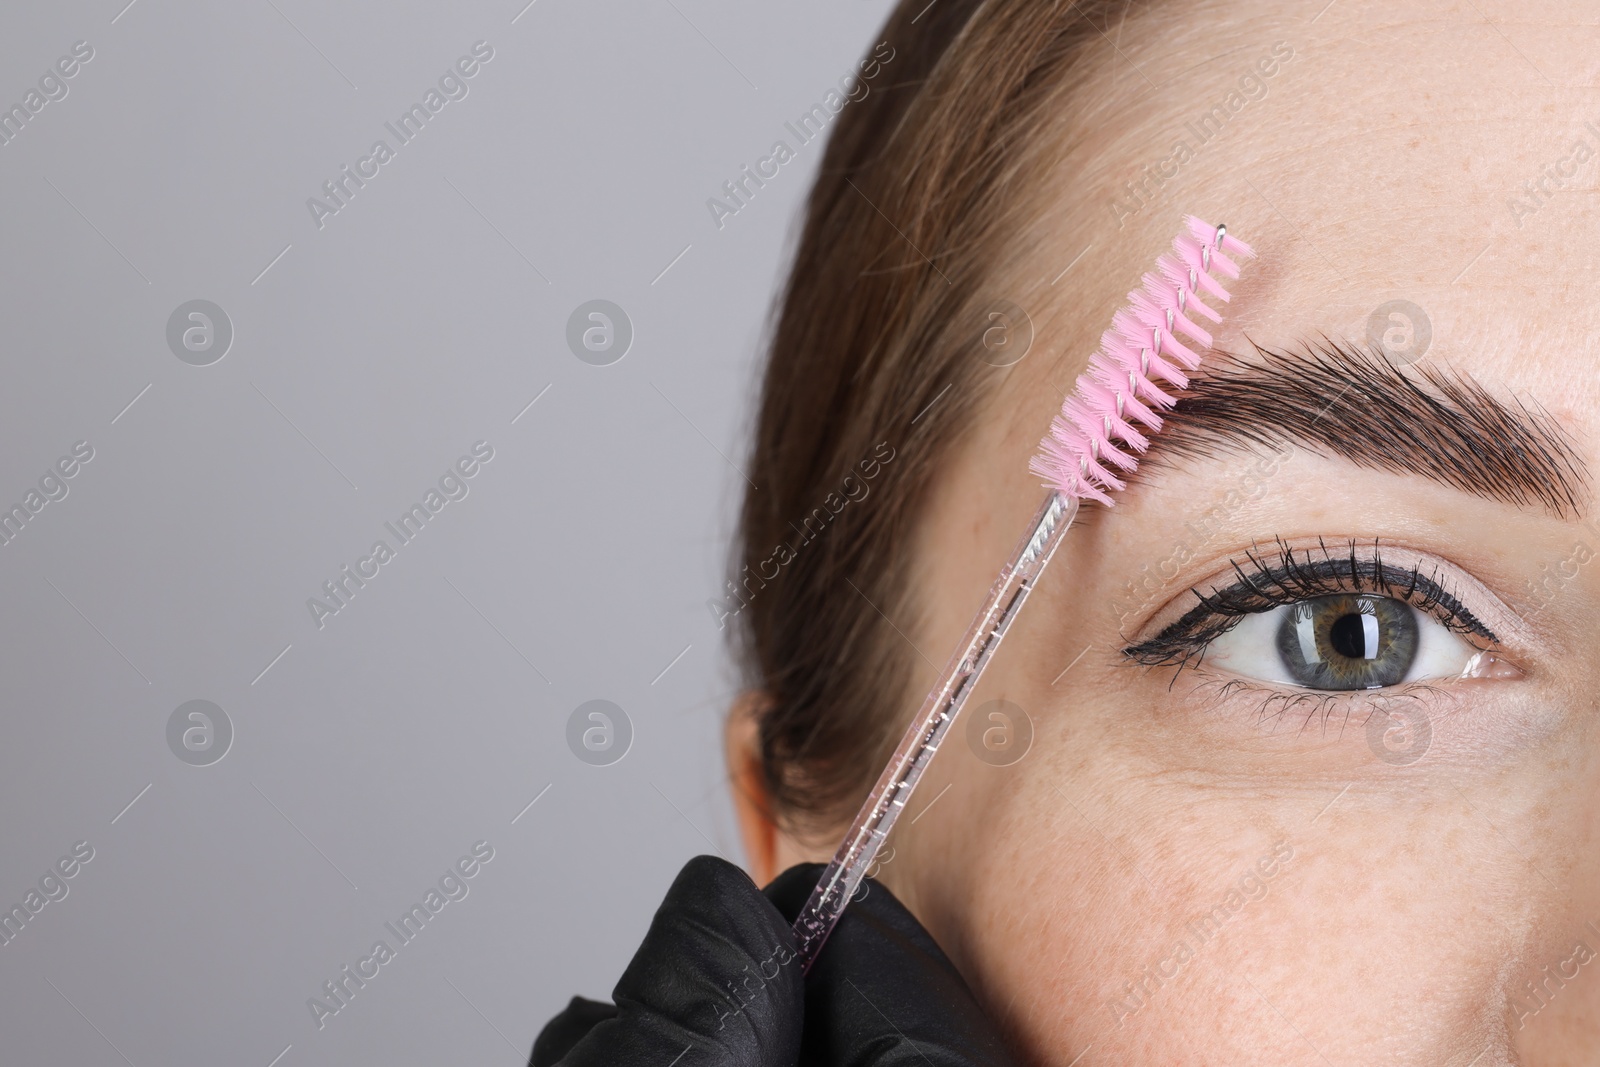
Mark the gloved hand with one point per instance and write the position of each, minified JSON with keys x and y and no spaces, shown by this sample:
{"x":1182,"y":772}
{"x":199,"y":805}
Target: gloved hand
{"x":717,"y":982}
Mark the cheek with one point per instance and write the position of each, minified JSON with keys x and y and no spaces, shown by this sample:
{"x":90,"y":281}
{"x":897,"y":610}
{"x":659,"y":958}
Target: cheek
{"x":1091,"y":895}
{"x":1563,"y":1013}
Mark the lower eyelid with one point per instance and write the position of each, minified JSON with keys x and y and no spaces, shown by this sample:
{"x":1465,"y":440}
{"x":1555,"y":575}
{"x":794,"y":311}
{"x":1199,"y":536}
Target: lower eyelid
{"x":1300,"y":708}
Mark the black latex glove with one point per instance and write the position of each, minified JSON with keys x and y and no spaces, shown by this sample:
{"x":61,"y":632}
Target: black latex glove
{"x":716,"y":981}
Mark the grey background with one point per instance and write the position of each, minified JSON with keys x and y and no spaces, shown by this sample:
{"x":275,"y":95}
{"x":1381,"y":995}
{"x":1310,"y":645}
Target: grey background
{"x":421,"y":318}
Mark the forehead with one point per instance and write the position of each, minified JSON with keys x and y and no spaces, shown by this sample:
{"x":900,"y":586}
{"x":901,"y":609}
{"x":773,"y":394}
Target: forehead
{"x":1399,"y":166}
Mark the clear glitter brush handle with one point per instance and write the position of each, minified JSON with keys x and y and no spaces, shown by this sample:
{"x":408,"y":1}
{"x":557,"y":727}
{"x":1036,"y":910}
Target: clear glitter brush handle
{"x":889,"y":797}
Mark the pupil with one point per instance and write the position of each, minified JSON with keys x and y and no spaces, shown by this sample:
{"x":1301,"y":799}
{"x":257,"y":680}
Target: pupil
{"x":1348,"y":636}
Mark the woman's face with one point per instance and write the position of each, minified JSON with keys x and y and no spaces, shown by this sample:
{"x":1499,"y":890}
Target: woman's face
{"x":1222,"y":863}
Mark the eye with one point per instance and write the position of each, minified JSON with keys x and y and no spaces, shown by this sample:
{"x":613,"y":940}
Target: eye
{"x":1341,"y":642}
{"x":1351,"y":617}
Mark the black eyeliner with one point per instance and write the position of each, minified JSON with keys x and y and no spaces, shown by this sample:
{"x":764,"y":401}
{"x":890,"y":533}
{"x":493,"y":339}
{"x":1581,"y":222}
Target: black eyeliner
{"x":1293,"y":577}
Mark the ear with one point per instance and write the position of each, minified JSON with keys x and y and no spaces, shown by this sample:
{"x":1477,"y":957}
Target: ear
{"x":769,"y":848}
{"x":751,"y":801}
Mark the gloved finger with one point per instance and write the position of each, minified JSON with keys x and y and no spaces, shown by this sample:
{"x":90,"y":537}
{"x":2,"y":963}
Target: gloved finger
{"x":715,"y":982}
{"x":882,"y":992}
{"x":568,"y":1028}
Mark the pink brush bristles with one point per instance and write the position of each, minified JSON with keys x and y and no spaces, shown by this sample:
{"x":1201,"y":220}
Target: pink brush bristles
{"x":1115,"y":406}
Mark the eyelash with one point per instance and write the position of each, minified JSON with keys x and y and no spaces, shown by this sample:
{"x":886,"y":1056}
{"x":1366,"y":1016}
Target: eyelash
{"x":1275,"y":705}
{"x":1297,"y":577}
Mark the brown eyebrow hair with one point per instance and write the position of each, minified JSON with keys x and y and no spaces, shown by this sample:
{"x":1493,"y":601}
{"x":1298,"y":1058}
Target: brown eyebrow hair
{"x":1351,"y":402}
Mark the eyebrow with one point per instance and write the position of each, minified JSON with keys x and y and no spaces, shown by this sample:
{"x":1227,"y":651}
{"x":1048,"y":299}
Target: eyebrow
{"x":1353,"y":403}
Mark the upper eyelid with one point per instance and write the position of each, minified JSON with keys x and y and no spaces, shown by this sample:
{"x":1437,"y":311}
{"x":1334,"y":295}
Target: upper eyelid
{"x":1432,"y":590}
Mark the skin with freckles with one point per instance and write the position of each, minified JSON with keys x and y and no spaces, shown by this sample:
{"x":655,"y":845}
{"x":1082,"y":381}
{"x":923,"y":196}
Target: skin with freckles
{"x":1196,"y":867}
